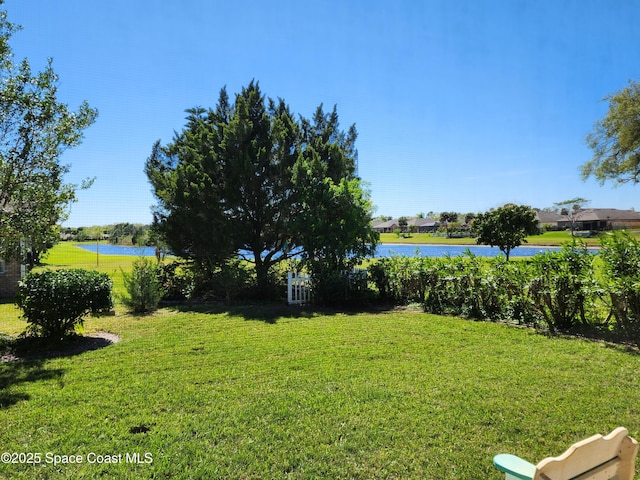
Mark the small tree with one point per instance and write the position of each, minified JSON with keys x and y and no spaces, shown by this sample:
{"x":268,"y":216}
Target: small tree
{"x":448,"y":218}
{"x":335,"y":233}
{"x":143,"y":286}
{"x":506,"y":227}
{"x":573,"y":209}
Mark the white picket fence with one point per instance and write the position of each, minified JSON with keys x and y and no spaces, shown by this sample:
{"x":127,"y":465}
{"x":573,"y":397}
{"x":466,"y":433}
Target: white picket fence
{"x":298,"y":288}
{"x":299,"y":291}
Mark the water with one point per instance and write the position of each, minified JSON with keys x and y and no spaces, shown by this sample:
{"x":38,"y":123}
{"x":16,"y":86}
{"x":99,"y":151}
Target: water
{"x":108,"y":249}
{"x":386,"y":250}
{"x":389,"y":250}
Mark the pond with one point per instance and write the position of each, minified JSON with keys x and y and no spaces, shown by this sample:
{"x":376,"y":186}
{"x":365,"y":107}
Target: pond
{"x":389,"y":250}
{"x":384,"y":250}
{"x":109,"y":249}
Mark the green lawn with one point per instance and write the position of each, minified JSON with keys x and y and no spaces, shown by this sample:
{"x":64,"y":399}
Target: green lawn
{"x":546,"y":239}
{"x":269,"y":391}
{"x":68,"y":254}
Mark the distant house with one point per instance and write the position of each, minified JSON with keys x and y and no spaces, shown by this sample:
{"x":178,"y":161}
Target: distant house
{"x":418,"y":225}
{"x":386,"y":226}
{"x":11,"y":272}
{"x":592,"y":219}
{"x":550,"y":220}
{"x":596,"y":219}
{"x":423,"y":225}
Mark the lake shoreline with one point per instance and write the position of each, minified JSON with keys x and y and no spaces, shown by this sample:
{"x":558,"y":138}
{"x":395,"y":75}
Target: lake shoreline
{"x":526,"y":245}
{"x":382,"y":250}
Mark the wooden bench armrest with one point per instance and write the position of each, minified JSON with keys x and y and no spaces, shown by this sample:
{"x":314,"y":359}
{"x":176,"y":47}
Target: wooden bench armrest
{"x":514,"y":467}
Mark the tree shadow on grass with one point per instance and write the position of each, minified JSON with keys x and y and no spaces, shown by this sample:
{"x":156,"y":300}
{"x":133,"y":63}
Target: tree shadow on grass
{"x":15,"y":373}
{"x":607,"y":338}
{"x":23,"y":360}
{"x":270,"y":312}
{"x":37,"y":348}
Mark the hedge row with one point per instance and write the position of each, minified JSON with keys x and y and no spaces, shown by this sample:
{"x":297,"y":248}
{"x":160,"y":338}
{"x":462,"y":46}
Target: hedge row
{"x":573,"y":289}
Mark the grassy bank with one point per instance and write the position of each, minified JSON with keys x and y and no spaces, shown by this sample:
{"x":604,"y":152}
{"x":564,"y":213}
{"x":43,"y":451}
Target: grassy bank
{"x":546,"y":239}
{"x":69,"y":255}
{"x":268,"y":391}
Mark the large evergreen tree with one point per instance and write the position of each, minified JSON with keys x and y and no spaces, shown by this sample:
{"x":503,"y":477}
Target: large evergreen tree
{"x":35,"y":128}
{"x":246,"y":178}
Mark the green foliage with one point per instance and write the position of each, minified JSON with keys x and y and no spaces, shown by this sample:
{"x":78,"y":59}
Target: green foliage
{"x":335,"y":234}
{"x":128,"y":233}
{"x":181,"y":282}
{"x":54,"y":302}
{"x":506,"y":227}
{"x":562,"y":291}
{"x":448,"y":217}
{"x":35,"y":129}
{"x":621,"y":254}
{"x":233,"y":279}
{"x":554,"y":289}
{"x":562,"y":287}
{"x":615,"y":139}
{"x":143,"y":285}
{"x":247,"y":177}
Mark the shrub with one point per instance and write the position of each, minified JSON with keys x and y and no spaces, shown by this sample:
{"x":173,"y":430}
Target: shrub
{"x":233,"y":278}
{"x":513,"y":280}
{"x":378,"y":275}
{"x":562,"y":286}
{"x":332,"y":286}
{"x":54,"y":302}
{"x":621,"y":254}
{"x":229,"y":281}
{"x":143,"y":285}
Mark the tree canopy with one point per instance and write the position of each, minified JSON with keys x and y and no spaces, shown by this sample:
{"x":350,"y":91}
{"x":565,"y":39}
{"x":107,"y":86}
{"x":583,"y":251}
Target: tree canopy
{"x":573,"y":209}
{"x":615,"y":139}
{"x":35,"y":128}
{"x":506,"y":227}
{"x":247,"y":178}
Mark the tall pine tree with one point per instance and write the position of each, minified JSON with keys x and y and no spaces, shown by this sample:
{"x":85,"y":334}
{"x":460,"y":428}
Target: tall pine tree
{"x":247,"y":179}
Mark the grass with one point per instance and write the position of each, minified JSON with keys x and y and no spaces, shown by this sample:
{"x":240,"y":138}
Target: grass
{"x":546,"y":239}
{"x":67,"y":255}
{"x":268,"y":391}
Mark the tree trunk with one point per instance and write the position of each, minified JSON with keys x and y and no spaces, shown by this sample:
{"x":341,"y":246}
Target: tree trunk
{"x":262,"y":275}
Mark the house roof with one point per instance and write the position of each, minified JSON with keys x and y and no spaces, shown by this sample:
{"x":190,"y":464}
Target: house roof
{"x":606,"y":214}
{"x":422,"y":222}
{"x":385,"y":224}
{"x":590,"y":215}
{"x":414,"y":222}
{"x":550,"y":217}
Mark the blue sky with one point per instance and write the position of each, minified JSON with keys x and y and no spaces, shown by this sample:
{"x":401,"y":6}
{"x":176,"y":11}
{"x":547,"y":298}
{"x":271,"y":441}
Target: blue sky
{"x":460,"y":105}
